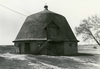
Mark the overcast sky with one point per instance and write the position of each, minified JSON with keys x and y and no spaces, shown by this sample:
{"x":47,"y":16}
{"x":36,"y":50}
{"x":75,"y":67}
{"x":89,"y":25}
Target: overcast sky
{"x":14,"y":12}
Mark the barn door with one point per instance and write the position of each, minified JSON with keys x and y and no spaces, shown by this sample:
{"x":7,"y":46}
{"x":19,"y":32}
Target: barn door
{"x":27,"y":48}
{"x":52,"y":50}
{"x":60,"y":48}
{"x":55,"y":48}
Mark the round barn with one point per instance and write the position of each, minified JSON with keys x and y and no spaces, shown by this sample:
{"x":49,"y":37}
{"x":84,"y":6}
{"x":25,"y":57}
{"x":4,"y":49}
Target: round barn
{"x":46,"y":33}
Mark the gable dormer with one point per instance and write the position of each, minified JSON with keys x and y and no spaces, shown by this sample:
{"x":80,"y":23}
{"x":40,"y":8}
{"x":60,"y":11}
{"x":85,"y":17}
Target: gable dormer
{"x":53,"y":25}
{"x":52,"y":30}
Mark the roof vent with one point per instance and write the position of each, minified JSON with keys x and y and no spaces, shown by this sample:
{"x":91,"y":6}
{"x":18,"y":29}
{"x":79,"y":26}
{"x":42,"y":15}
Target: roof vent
{"x":46,"y":7}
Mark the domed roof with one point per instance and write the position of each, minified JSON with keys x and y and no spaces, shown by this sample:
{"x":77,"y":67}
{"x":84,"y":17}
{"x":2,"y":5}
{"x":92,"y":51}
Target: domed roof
{"x":35,"y":24}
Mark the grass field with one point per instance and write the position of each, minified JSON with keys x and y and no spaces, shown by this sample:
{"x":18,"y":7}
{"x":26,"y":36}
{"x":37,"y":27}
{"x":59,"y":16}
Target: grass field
{"x":90,"y":60}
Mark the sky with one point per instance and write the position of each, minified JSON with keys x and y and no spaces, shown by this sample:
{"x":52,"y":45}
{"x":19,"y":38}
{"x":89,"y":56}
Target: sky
{"x":14,"y":12}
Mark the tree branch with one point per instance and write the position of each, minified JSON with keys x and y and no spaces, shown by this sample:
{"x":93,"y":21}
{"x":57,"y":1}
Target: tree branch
{"x":94,"y":37}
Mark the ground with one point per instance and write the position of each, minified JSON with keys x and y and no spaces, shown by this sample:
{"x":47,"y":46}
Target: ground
{"x":9,"y":60}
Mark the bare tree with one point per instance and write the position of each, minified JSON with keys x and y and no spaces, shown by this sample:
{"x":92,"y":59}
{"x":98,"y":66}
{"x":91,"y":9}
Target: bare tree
{"x":89,"y":29}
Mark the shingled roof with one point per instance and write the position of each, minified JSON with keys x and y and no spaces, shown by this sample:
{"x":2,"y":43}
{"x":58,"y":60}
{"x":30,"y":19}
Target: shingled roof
{"x":35,"y":24}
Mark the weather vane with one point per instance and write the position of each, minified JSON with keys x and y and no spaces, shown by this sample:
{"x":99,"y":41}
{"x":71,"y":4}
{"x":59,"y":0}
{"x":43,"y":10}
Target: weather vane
{"x":46,"y":6}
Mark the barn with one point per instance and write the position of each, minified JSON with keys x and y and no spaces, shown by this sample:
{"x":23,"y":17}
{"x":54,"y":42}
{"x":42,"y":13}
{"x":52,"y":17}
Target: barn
{"x":46,"y":33}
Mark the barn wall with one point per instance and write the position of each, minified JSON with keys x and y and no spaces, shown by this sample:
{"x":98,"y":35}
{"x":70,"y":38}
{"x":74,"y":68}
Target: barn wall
{"x":22,"y":47}
{"x":35,"y":45}
{"x":17,"y":49}
{"x":43,"y":51}
{"x":55,"y":48}
{"x":67,"y":47}
{"x":70,"y":48}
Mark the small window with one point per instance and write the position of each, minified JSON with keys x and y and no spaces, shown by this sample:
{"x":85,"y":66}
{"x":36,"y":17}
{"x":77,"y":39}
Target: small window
{"x":70,"y":44}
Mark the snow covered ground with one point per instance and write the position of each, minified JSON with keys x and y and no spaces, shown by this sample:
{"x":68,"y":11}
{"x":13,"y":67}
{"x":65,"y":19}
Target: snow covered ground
{"x":92,"y":48}
{"x":9,"y":60}
{"x":15,"y":61}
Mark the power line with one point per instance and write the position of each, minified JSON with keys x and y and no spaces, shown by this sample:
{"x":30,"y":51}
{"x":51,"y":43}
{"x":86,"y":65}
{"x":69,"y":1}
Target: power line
{"x":12,"y":10}
{"x":19,"y":7}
